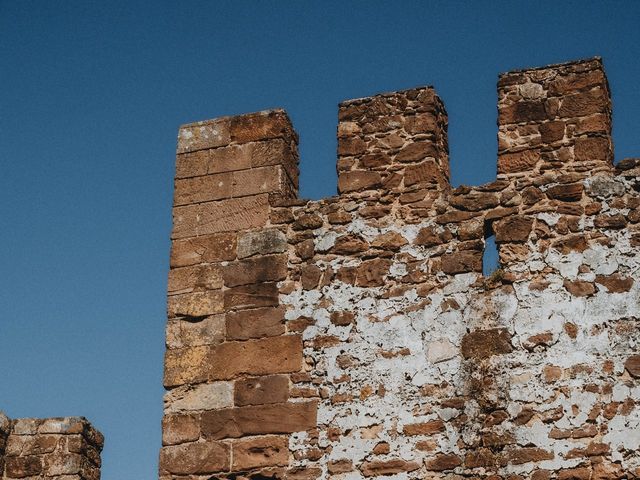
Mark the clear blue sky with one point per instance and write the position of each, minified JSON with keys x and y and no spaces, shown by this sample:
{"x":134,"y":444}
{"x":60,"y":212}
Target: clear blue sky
{"x":92,"y":94}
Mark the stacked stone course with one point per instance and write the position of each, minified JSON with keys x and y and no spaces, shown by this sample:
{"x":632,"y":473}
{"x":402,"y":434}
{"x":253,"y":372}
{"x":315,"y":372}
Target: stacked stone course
{"x":49,"y":449}
{"x":356,"y":337}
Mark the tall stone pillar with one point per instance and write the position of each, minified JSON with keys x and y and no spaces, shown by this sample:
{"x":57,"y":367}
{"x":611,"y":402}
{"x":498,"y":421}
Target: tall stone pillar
{"x":228,"y":357}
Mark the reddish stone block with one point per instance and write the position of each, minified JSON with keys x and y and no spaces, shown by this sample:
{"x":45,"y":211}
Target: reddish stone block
{"x":261,"y":390}
{"x":204,"y":249}
{"x":195,"y":277}
{"x":513,"y":229}
{"x":196,"y":304}
{"x":358,"y":180}
{"x":257,"y":323}
{"x":258,"y":452}
{"x":255,"y":270}
{"x":462,"y":262}
{"x":523,"y":112}
{"x":261,"y":126}
{"x":428,"y":173}
{"x":444,"y":461}
{"x":20,"y":467}
{"x":584,"y":104}
{"x":377,"y":468}
{"x":251,"y":296}
{"x":195,"y":458}
{"x":481,"y":344}
{"x":633,"y":365}
{"x":518,"y":162}
{"x":180,"y":429}
{"x":579,"y":288}
{"x":228,"y":360}
{"x":224,"y":216}
{"x":371,"y":273}
{"x":259,"y":420}
{"x":425,"y":428}
{"x":592,"y":149}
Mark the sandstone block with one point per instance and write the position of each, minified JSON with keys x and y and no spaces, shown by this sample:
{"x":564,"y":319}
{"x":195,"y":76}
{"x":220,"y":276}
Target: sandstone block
{"x":196,"y":277}
{"x":205,"y":249}
{"x":348,"y":146}
{"x":195,"y":458}
{"x":223,"y":216}
{"x":228,"y":360}
{"x":416,"y":151}
{"x":552,"y":131}
{"x":522,"y":112}
{"x":518,"y":162}
{"x":526,"y":455}
{"x":475,"y":201}
{"x":377,"y":468}
{"x":185,"y":365}
{"x":513,"y":229}
{"x":371,"y":273}
{"x":592,"y":148}
{"x":205,"y":396}
{"x":261,"y":126}
{"x":633,"y":365}
{"x":583,"y":104}
{"x":269,"y":268}
{"x":262,"y":242}
{"x":203,"y":135}
{"x":482,"y":344}
{"x":259,"y":420}
{"x":462,"y":262}
{"x":178,"y":429}
{"x":261,"y":390}
{"x":358,"y":180}
{"x":566,"y":84}
{"x":342,"y":319}
{"x":251,"y":296}
{"x":257,"y":452}
{"x":443,"y":461}
{"x":615,"y":283}
{"x":425,"y":428}
{"x":428,"y":173}
{"x":196,"y":304}
{"x":20,"y":467}
{"x":195,"y":331}
{"x":566,"y":193}
{"x":579,"y":288}
{"x":257,"y":323}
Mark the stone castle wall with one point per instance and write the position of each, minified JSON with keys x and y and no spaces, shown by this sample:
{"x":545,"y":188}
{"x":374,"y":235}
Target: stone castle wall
{"x":356,"y":337}
{"x":49,"y":449}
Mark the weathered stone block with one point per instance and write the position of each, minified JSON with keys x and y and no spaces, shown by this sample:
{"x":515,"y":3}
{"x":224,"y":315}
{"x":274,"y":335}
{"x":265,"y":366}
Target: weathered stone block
{"x":227,"y":215}
{"x":205,"y":396}
{"x":194,"y":331}
{"x":358,"y":180}
{"x":481,"y":344}
{"x":228,"y":360}
{"x":196,"y":304}
{"x":251,"y":296}
{"x":257,"y":323}
{"x":261,"y":390}
{"x":259,"y":420}
{"x":204,"y":249}
{"x":257,"y":452}
{"x":255,"y":270}
{"x":262,"y":242}
{"x":195,"y":458}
